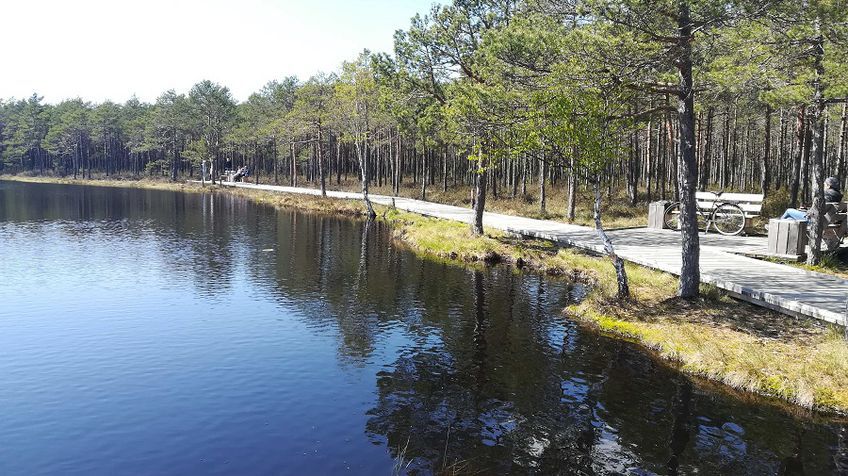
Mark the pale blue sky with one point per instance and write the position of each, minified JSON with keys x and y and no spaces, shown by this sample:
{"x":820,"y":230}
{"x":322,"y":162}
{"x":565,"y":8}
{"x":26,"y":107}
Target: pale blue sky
{"x":112,"y":49}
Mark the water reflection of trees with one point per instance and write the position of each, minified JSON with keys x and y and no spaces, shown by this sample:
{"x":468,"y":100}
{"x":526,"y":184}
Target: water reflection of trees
{"x":344,"y":275}
{"x":487,"y":373}
{"x":490,"y":393}
{"x":490,"y":376}
{"x":196,"y":235}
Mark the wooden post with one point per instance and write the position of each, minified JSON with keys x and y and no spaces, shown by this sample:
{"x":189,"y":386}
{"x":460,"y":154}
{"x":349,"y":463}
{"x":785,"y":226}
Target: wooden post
{"x":787,"y":238}
{"x":656,"y":214}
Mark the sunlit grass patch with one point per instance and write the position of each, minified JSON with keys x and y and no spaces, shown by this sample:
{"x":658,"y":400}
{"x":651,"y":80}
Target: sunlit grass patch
{"x":449,"y":239}
{"x":112,"y":181}
{"x":306,"y":203}
{"x":808,"y":369}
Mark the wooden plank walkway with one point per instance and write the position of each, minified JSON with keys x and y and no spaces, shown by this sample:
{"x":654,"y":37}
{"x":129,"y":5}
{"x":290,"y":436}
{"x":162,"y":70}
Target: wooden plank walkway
{"x":783,"y":288}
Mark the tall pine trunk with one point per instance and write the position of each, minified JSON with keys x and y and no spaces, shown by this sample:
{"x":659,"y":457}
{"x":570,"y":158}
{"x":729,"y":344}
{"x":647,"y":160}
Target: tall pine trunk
{"x":843,"y":136}
{"x":423,"y":174}
{"x":362,"y":154}
{"x":817,"y":155}
{"x":706,"y":162}
{"x":571,"y":207}
{"x":274,"y":164}
{"x":687,"y":170}
{"x":799,"y":156}
{"x":480,"y":179}
{"x":319,"y":153}
{"x":765,"y":172}
{"x":293,"y":173}
{"x":543,"y":168}
{"x":444,"y":169}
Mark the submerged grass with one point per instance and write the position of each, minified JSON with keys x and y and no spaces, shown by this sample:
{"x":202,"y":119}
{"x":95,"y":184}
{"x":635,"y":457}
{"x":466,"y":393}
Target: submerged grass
{"x":746,"y":347}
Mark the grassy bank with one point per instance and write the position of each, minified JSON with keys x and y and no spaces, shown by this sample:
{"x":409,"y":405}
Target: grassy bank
{"x":107,"y":182}
{"x":748,"y":348}
{"x":308,"y":203}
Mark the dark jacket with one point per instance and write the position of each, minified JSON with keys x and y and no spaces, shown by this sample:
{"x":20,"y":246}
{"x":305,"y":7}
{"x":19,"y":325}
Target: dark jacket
{"x":832,"y":195}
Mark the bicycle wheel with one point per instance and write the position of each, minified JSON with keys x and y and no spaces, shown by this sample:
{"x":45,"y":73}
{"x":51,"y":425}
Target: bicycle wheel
{"x":728,"y":219}
{"x":672,"y":216}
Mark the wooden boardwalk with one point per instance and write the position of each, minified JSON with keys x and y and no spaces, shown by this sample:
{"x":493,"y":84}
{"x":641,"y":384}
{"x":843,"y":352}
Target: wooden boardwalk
{"x":723,"y":262}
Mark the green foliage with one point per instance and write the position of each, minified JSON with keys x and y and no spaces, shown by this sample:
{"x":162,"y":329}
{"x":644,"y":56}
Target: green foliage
{"x":212,"y":110}
{"x":563,"y":82}
{"x":70,"y":128}
{"x":24,"y":126}
{"x":357,"y":102}
{"x":313,"y":105}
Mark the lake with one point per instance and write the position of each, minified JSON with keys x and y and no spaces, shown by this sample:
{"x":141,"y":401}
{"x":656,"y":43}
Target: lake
{"x":153,"y":332}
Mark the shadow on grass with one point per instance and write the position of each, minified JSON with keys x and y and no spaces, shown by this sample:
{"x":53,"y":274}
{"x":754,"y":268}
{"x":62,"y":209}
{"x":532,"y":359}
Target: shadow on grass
{"x":715,"y":310}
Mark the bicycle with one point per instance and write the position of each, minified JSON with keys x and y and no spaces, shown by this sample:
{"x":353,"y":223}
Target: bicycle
{"x":727,"y":218}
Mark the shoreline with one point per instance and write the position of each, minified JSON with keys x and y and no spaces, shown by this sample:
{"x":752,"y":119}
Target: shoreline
{"x":732,"y":343}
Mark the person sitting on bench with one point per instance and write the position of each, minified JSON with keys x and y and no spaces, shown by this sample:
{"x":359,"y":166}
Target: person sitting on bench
{"x":831,"y":194}
{"x":240,"y":174}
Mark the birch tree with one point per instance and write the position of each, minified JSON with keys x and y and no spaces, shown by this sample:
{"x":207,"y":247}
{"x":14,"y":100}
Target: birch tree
{"x":357,"y":100}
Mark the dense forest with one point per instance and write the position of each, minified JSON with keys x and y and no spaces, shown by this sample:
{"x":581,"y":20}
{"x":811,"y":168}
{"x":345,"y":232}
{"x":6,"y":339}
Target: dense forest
{"x":657,"y":99}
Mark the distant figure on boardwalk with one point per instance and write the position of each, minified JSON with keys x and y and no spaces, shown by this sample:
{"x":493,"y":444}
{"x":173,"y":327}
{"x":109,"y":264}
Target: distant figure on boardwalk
{"x":832,"y":194}
{"x":241,"y":174}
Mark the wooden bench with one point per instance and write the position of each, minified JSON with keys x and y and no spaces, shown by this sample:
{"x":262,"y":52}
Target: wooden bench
{"x":835,"y":225}
{"x":227,"y":176}
{"x":750,"y":203}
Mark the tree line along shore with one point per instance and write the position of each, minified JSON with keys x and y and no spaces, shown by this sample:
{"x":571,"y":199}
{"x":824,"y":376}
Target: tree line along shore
{"x":510,"y":98}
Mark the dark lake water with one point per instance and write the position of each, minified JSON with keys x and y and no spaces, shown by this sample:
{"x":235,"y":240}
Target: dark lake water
{"x":150,"y":332}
